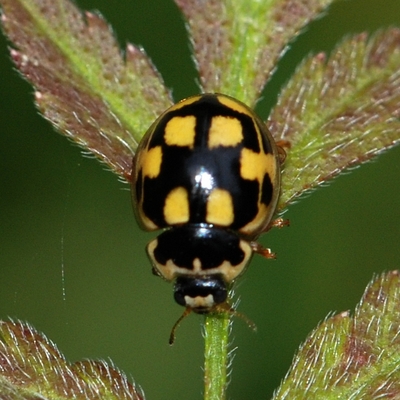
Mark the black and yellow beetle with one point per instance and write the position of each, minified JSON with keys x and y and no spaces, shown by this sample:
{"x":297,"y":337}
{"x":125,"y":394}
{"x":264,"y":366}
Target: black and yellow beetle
{"x":208,"y":173}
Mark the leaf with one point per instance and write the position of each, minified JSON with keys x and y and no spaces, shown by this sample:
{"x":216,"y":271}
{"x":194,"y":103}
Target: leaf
{"x":31,"y":367}
{"x":237,"y":42}
{"x":84,"y":87}
{"x":352,"y":358}
{"x":338,"y":113}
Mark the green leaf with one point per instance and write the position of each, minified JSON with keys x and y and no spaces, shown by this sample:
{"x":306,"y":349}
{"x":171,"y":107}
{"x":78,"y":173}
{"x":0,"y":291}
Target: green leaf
{"x":31,"y":367}
{"x":352,"y":358}
{"x":83,"y":84}
{"x":338,"y":113}
{"x":237,"y":43}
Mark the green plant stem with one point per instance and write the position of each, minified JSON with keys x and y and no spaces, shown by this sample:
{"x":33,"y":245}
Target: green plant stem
{"x":216,"y":338}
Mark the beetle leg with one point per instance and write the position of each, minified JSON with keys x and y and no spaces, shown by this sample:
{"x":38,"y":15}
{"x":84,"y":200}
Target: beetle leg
{"x":283,"y":146}
{"x":279,"y":223}
{"x":276,"y":223}
{"x":263,"y":251}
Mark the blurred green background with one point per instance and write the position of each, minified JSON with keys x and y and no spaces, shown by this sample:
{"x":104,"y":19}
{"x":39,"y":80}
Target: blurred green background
{"x":72,"y":259}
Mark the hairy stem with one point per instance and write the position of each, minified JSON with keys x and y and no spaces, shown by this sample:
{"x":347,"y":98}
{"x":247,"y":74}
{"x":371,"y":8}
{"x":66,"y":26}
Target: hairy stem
{"x":216,"y":356}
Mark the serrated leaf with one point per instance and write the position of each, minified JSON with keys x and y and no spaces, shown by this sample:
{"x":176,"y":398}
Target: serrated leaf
{"x":84,"y":87}
{"x":352,"y":358}
{"x":31,"y":367}
{"x":338,"y":113}
{"x":237,"y":43}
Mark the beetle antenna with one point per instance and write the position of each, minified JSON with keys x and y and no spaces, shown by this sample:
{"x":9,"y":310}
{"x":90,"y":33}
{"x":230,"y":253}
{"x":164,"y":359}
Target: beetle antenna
{"x":226,"y":308}
{"x":220,"y":308}
{"x":184,"y":315}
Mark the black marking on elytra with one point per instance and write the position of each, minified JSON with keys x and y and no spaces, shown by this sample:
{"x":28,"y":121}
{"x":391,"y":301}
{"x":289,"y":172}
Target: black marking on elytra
{"x":266,"y":190}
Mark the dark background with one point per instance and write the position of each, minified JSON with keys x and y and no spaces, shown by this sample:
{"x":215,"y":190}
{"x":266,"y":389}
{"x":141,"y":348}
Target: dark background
{"x":66,"y":225}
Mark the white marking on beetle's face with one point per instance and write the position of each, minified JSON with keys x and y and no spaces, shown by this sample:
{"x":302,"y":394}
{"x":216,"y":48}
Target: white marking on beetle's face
{"x":196,"y":266}
{"x":200,"y":302}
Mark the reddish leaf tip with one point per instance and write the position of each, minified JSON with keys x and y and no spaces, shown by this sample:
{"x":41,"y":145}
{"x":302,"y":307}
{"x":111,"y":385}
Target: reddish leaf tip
{"x":33,"y":366}
{"x":321,"y":57}
{"x":14,"y":53}
{"x":344,"y":314}
{"x":18,"y":58}
{"x":132,"y":52}
{"x":21,"y":60}
{"x":94,"y":20}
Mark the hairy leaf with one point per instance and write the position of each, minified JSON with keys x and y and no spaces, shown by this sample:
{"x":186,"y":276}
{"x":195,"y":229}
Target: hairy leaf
{"x":338,"y":113}
{"x":238,"y":42}
{"x":84,"y":86}
{"x":31,"y":367}
{"x":352,"y":357}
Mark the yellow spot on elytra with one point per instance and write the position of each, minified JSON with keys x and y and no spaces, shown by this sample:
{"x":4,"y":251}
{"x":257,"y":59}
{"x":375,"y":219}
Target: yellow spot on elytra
{"x":234,"y":105}
{"x":151,"y":162}
{"x":254,"y":166}
{"x":176,"y":206}
{"x":225,"y":131}
{"x":220,"y":208}
{"x":180,"y":131}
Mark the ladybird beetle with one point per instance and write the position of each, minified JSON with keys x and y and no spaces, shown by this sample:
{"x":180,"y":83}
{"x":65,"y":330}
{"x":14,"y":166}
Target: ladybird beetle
{"x":207,"y":172}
